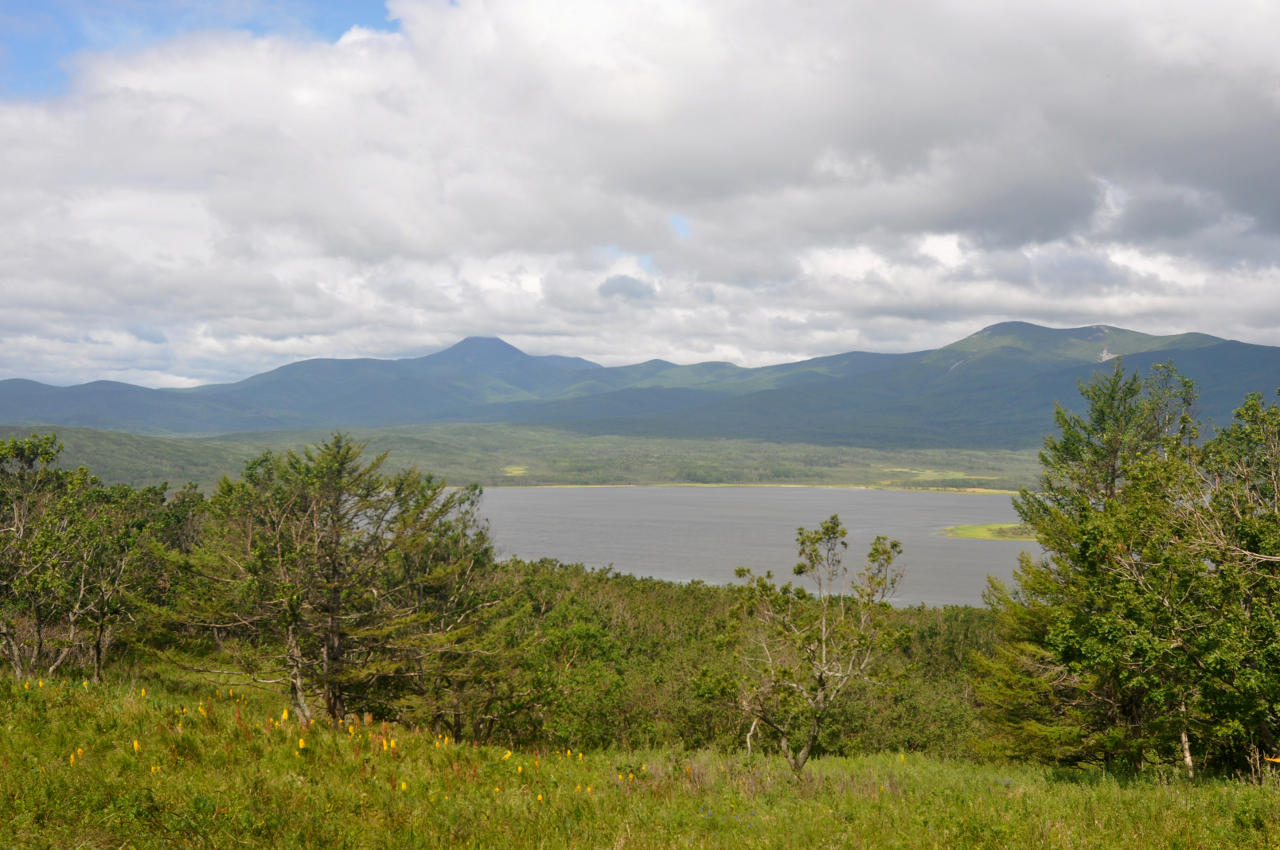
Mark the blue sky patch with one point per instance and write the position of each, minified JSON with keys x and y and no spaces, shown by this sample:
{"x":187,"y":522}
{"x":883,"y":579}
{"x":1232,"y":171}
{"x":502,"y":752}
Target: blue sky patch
{"x":38,"y":37}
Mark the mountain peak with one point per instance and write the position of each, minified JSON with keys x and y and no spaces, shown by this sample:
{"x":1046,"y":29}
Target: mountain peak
{"x":480,"y":350}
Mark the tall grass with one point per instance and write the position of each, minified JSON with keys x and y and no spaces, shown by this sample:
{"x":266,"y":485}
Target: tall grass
{"x":217,"y":767}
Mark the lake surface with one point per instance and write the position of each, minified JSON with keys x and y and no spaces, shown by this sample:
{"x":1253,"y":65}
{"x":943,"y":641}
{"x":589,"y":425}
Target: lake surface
{"x":685,"y":533}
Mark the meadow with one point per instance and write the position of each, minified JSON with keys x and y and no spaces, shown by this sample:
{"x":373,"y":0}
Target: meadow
{"x":513,"y":455}
{"x":152,"y":760}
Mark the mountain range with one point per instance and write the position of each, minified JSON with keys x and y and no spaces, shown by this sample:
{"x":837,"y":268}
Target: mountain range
{"x":994,"y":389}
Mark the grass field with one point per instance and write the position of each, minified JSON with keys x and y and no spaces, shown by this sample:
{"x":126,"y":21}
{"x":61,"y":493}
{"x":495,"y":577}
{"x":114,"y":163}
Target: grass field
{"x":152,"y":762}
{"x":497,"y":455}
{"x":991,"y":531}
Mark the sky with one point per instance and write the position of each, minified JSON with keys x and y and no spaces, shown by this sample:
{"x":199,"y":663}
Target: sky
{"x":195,"y":192}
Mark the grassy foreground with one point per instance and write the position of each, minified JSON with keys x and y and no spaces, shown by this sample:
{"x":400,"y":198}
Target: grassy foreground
{"x":147,"y":763}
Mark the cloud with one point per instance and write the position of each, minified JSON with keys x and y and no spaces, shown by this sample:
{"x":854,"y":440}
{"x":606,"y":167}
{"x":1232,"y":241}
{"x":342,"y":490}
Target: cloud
{"x":627,"y":288}
{"x":209,"y":203}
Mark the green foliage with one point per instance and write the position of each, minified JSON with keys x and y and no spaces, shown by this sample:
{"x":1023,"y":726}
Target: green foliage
{"x":76,"y":558}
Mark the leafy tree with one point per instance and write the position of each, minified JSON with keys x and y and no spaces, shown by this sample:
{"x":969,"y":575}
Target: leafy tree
{"x":803,"y":650}
{"x":346,"y":580}
{"x":1095,"y":661}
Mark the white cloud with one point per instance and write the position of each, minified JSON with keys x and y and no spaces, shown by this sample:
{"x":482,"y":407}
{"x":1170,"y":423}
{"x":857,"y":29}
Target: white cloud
{"x":846,"y":175}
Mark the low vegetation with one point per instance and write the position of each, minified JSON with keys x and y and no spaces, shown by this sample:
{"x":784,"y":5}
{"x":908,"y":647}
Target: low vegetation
{"x":158,"y":760}
{"x":992,"y":531}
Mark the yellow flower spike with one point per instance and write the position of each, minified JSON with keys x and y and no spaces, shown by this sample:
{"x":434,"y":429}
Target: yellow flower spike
{"x":284,"y":715}
{"x":384,"y":745}
{"x":85,"y":684}
{"x":507,"y":756}
{"x":644,"y":769}
{"x":902,"y":757}
{"x":535,"y":762}
{"x":231,"y":692}
{"x":26,"y":685}
{"x":588,"y":789}
{"x":519,"y":768}
{"x":539,"y":798}
{"x":393,"y":743}
{"x":41,"y":683}
{"x":155,"y":768}
{"x":136,"y":746}
{"x":568,"y":752}
{"x":579,"y":755}
{"x":437,"y":745}
{"x":404,"y":786}
{"x":496,"y":790}
{"x":351,"y":730}
{"x":80,"y":751}
{"x":631,"y":777}
{"x":143,"y":693}
{"x":302,"y":744}
{"x":73,"y":759}
{"x":619,"y":777}
{"x":579,"y":788}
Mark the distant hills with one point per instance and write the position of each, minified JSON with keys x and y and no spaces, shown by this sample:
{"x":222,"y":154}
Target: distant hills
{"x":994,"y":389}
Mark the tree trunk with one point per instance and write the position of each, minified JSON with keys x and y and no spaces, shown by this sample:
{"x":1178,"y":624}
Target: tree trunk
{"x":1186,"y":745}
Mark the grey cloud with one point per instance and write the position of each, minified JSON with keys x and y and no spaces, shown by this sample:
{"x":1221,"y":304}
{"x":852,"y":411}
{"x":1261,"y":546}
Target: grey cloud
{"x":627,"y":288}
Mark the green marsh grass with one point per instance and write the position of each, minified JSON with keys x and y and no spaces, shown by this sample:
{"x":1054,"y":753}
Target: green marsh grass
{"x":218,"y":767}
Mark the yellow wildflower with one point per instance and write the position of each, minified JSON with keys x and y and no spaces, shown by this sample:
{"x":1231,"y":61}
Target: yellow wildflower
{"x":136,"y":745}
{"x":302,"y":744}
{"x":85,"y":683}
{"x":404,"y":786}
{"x":284,"y":715}
{"x":539,"y":798}
{"x":143,"y":693}
{"x":507,"y":756}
